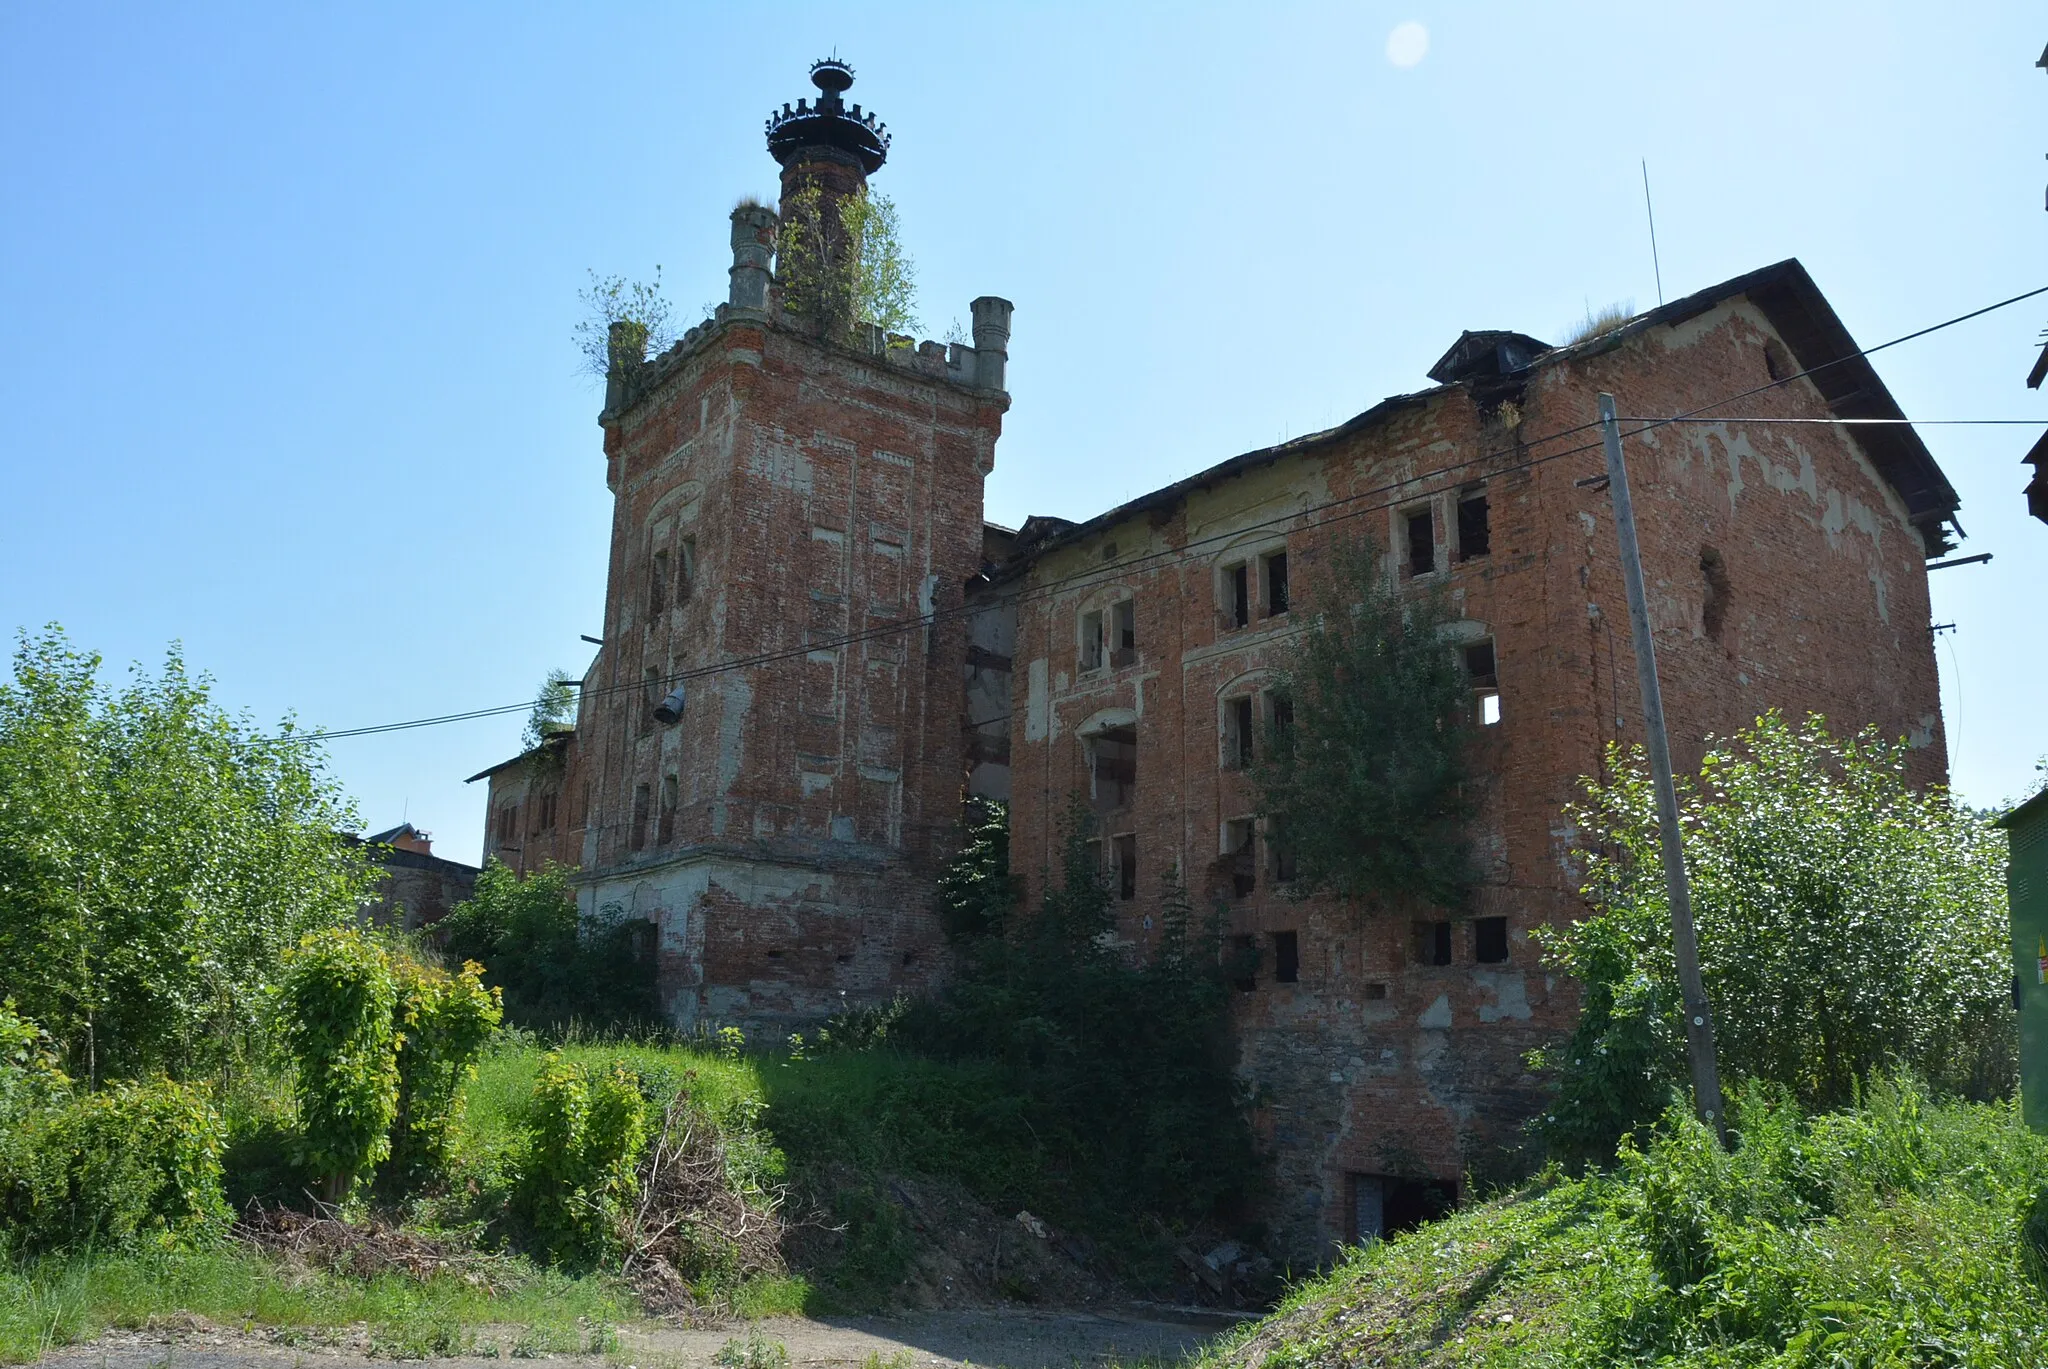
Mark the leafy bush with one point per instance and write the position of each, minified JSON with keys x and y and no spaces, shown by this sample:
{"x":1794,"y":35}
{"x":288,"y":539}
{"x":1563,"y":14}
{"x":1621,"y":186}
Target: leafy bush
{"x":585,"y":1136}
{"x":1366,"y":784}
{"x":842,"y":263}
{"x":554,"y":966}
{"x":336,"y":1011}
{"x":157,"y":857}
{"x":1847,"y":925}
{"x":443,"y":1021}
{"x":131,"y":1161}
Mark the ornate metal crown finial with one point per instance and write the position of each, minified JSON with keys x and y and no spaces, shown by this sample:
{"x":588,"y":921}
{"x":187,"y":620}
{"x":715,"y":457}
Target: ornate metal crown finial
{"x":830,"y":123}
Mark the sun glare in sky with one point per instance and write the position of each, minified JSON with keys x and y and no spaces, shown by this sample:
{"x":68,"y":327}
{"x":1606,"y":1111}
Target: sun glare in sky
{"x":1408,"y":44}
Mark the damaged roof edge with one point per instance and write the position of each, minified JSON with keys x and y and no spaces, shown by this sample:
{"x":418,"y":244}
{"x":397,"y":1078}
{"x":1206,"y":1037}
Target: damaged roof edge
{"x":1788,"y":297}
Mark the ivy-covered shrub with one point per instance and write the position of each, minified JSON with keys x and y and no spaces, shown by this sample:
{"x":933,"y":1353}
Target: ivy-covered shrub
{"x":443,"y":1022}
{"x":336,"y":1011}
{"x":585,"y":1135}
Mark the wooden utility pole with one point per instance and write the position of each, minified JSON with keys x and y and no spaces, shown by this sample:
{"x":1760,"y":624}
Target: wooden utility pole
{"x":1699,"y":1019}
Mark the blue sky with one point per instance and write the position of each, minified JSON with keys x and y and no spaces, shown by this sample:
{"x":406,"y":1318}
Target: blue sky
{"x":286,"y":292}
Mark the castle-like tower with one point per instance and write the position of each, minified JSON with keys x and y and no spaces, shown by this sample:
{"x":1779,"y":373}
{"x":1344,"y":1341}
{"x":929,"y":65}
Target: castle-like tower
{"x":769,"y":755}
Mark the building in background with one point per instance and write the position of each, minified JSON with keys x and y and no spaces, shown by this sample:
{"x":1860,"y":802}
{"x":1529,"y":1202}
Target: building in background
{"x":535,"y":807}
{"x":418,"y":887}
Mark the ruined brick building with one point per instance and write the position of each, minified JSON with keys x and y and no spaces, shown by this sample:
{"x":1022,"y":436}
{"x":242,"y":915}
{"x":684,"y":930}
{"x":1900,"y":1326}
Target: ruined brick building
{"x":799,"y":542}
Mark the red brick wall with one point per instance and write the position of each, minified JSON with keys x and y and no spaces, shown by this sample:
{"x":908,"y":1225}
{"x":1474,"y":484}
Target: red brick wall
{"x":1372,"y":1062}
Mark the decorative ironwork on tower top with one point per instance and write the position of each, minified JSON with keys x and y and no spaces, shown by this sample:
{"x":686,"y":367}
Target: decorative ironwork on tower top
{"x":829,"y":124}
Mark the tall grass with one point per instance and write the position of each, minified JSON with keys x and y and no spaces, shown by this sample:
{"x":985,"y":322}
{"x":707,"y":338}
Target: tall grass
{"x":60,"y":1300}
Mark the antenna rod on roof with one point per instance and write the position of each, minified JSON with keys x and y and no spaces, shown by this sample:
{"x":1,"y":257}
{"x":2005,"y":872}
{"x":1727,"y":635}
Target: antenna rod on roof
{"x":1649,"y":210}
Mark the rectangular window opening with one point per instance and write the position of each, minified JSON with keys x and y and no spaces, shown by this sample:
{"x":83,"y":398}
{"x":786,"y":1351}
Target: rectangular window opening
{"x":1432,"y":942}
{"x":1126,"y":847}
{"x":640,"y":805}
{"x":1091,"y":641}
{"x":1475,"y":532}
{"x":1421,"y":541}
{"x":686,"y":570}
{"x":1280,"y":707}
{"x":1489,"y":709}
{"x":657,"y":585}
{"x":1113,"y":767}
{"x":1244,"y":962}
{"x":1276,"y":584}
{"x":1123,"y":633}
{"x":1239,"y":842}
{"x":1384,"y":1205}
{"x":1092,"y":855}
{"x":1490,"y":940}
{"x":1480,"y":668}
{"x":1286,"y":958}
{"x":1282,"y":852}
{"x":1238,"y":591}
{"x":1376,"y":990}
{"x":1238,"y":730}
{"x":668,"y":810}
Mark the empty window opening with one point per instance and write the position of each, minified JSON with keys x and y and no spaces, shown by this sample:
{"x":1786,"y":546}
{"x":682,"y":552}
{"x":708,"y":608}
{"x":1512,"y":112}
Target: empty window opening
{"x":1109,"y":551}
{"x":1421,"y":542}
{"x":1238,"y":730}
{"x":1432,"y":943}
{"x":668,"y":811}
{"x":1286,"y":958}
{"x":1490,"y":940}
{"x":1376,"y":990}
{"x":545,"y":817}
{"x":1714,"y":603}
{"x":1244,"y":962}
{"x":1281,"y":709}
{"x":508,"y":823}
{"x":640,"y":804}
{"x":1113,"y":767}
{"x":1475,"y":533}
{"x":1777,"y":361}
{"x":1385,"y":1205}
{"x":1126,"y":856}
{"x":686,"y":570}
{"x":1489,"y":708}
{"x":1276,"y":584}
{"x":1237,"y":588}
{"x":1091,"y":641}
{"x":1479,"y":665}
{"x":1091,"y":857}
{"x":1281,"y":852}
{"x":1241,"y":856}
{"x":657,"y":585}
{"x":1123,"y":633}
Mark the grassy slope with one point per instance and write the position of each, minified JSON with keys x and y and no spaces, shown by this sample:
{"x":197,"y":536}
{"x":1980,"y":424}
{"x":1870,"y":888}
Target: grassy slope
{"x":1889,"y":1238}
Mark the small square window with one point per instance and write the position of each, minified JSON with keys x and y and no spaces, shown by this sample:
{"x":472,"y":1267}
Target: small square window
{"x":1475,"y":531}
{"x":1276,"y":584}
{"x":1376,"y":990}
{"x":1286,"y":958}
{"x":1421,"y":527}
{"x":1432,"y":943}
{"x":1490,"y":940}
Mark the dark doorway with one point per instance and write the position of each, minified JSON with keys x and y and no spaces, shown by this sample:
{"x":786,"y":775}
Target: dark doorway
{"x":1384,"y":1205}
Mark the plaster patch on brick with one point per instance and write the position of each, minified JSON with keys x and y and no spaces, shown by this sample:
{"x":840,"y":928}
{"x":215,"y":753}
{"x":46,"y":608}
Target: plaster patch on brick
{"x":1510,"y":996}
{"x":1437,"y":1016}
{"x":1037,"y":701}
{"x":781,"y":464}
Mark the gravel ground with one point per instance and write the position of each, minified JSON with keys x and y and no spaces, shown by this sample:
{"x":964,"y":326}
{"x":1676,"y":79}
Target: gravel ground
{"x":1020,"y":1339}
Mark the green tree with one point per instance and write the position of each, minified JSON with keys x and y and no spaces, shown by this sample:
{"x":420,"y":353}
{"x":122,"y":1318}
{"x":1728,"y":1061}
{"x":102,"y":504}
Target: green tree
{"x":337,"y":1018}
{"x":614,"y":299}
{"x":1365,"y":784}
{"x":1848,"y":924}
{"x":553,"y":965}
{"x":840,"y":260}
{"x":157,"y":858}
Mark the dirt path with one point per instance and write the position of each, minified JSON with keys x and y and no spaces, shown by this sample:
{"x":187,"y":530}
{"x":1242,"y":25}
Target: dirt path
{"x":1016,"y":1338}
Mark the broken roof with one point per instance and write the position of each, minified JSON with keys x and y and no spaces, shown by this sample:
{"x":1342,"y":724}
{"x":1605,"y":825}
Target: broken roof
{"x":1783,"y":291}
{"x":561,"y":738}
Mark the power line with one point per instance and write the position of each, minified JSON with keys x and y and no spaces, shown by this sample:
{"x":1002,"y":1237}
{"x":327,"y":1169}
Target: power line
{"x":1109,"y":573}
